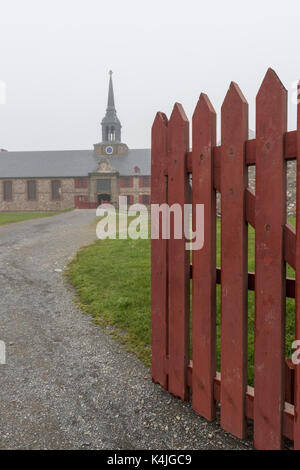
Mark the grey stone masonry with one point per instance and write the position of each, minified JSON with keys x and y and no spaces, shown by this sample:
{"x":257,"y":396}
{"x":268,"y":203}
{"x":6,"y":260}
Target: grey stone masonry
{"x":43,"y":201}
{"x":291,"y":188}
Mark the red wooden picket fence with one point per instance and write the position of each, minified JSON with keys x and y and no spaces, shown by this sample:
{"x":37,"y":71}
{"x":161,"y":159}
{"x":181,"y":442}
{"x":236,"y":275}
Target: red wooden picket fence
{"x":274,"y":403}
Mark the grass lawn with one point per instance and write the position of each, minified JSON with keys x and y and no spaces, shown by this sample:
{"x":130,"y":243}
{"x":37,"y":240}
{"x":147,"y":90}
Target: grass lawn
{"x":11,"y":217}
{"x":112,"y":279}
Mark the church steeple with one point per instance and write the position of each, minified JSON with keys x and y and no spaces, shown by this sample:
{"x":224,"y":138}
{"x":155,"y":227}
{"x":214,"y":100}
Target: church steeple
{"x":111,"y":126}
{"x":111,"y":99}
{"x":111,"y":144}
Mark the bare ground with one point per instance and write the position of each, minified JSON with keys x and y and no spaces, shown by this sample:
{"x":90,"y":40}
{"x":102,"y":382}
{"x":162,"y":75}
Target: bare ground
{"x":67,"y":384}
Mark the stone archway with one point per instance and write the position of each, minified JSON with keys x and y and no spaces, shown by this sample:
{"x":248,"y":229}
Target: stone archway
{"x":103,"y":198}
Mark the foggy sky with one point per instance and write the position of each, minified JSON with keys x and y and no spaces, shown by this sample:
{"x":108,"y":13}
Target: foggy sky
{"x":55,"y":56}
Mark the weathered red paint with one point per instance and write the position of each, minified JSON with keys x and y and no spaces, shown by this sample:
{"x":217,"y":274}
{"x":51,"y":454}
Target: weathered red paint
{"x":297,"y":313}
{"x":270,"y":218}
{"x":234,"y":262}
{"x":288,"y":411}
{"x":270,"y":404}
{"x":159,"y":285}
{"x":178,"y":257}
{"x":81,"y":182}
{"x":290,"y":282}
{"x":204,"y":261}
{"x":290,"y":153}
{"x":289,"y":235}
{"x":289,"y":381}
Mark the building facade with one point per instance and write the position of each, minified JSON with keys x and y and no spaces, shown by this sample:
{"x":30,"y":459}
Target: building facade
{"x":57,"y":180}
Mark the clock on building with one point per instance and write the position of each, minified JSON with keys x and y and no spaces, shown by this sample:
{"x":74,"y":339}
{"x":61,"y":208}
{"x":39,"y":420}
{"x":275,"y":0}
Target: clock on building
{"x":109,"y":150}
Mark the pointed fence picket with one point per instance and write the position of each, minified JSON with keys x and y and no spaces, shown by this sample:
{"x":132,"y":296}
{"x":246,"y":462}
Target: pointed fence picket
{"x":159,"y":267}
{"x":178,"y":257}
{"x":274,"y":403}
{"x":270,"y":217}
{"x":204,"y":261}
{"x":234,"y":260}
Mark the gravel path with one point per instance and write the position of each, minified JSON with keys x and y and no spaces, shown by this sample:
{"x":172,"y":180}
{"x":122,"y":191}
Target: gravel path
{"x":67,"y":384}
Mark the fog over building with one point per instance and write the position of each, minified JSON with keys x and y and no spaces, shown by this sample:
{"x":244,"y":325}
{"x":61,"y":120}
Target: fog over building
{"x":56,"y":180}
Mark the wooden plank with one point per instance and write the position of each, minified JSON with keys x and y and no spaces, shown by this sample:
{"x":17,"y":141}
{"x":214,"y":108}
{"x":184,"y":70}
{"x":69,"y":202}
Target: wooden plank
{"x":289,"y":380}
{"x":289,"y":233}
{"x":178,"y":256}
{"x":290,"y":283}
{"x":290,"y":145}
{"x":250,"y":206}
{"x":270,"y":218}
{"x":250,"y":152}
{"x":234,"y":261}
{"x":204,"y":261}
{"x":297,"y":309}
{"x":288,"y":411}
{"x":159,"y":291}
{"x":290,"y":153}
{"x":290,"y":287}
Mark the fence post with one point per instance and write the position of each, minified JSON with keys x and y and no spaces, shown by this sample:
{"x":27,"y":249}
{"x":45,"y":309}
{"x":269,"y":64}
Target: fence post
{"x":297,"y":313}
{"x":159,"y":291}
{"x":270,"y":217}
{"x":178,"y":256}
{"x":204,"y":261}
{"x":234,"y":262}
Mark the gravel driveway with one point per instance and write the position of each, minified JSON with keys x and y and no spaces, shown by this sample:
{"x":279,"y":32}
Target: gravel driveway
{"x":67,"y":384}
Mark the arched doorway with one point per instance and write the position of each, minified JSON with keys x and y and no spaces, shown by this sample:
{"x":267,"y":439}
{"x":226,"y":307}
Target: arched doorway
{"x":103,"y":198}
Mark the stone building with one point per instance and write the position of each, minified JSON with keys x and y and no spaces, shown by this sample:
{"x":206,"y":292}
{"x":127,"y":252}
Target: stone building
{"x":57,"y":180}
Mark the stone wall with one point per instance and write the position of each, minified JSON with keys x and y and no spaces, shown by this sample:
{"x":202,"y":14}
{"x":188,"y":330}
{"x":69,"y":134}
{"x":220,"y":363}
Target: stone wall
{"x":291,"y":187}
{"x":44,"y":200}
{"x":114,"y":186}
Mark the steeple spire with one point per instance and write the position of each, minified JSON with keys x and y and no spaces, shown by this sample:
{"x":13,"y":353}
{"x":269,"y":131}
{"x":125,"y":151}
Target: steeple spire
{"x":111,"y":99}
{"x":111,"y":126}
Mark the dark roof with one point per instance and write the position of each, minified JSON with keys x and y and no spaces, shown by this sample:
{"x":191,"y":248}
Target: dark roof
{"x":68,"y":163}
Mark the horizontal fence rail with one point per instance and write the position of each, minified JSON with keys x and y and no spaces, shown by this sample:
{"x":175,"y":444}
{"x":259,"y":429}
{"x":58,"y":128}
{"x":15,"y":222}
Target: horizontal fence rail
{"x":274,"y":403}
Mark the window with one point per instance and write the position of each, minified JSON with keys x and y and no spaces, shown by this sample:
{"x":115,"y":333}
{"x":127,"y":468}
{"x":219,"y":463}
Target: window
{"x":129,"y":199}
{"x":112,"y":135}
{"x":103,"y":185}
{"x":145,"y":181}
{"x":80,"y":183}
{"x":126,"y":182}
{"x":56,"y":190}
{"x":145,"y":199}
{"x":31,"y":190}
{"x":7,"y":190}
